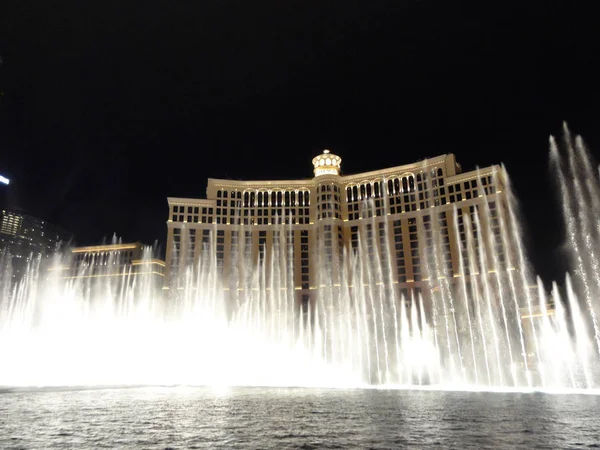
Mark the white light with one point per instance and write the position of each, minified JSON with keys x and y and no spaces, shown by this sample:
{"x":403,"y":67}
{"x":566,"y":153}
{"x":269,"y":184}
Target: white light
{"x":326,"y":171}
{"x":4,"y":180}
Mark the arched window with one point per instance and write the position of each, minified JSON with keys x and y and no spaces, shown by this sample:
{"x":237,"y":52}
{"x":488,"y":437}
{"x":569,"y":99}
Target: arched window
{"x":293,"y":198}
{"x":252,"y":199}
{"x":348,"y":194}
{"x":404,"y":185}
{"x":411,"y":184}
{"x":390,"y":184}
{"x":440,"y":172}
{"x":273,"y":198}
{"x":287,"y":199}
{"x":396,"y":186}
{"x":260,"y":199}
{"x":363,"y":191}
{"x":301,"y":198}
{"x":279,"y":195}
{"x":246,"y":199}
{"x":369,"y":191}
{"x":354,"y":193}
{"x":376,"y":189}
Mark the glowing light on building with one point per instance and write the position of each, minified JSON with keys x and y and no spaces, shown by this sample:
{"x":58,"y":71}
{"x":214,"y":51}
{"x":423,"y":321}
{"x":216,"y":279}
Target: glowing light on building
{"x":4,"y":180}
{"x":327,"y":164}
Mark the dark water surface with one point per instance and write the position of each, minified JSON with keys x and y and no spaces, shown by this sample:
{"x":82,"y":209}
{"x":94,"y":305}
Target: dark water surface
{"x":279,"y":418}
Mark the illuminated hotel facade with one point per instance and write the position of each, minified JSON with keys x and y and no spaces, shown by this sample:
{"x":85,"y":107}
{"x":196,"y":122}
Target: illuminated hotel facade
{"x":393,"y":214}
{"x":115,"y":261}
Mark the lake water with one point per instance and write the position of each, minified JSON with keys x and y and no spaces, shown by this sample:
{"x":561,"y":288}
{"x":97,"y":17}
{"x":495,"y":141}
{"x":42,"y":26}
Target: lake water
{"x":279,"y":418}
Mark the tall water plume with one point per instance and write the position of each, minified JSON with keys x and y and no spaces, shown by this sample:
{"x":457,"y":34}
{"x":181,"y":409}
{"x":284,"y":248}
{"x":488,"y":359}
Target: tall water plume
{"x":480,"y":321}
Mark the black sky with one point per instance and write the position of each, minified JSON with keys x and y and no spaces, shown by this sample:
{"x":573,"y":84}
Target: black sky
{"x":109,"y":107}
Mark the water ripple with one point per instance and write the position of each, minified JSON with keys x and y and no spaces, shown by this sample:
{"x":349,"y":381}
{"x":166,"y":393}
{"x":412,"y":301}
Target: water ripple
{"x":200,"y":418}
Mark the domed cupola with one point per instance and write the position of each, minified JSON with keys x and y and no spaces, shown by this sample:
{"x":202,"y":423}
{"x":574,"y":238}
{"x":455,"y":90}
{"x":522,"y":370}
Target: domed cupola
{"x":327,"y":164}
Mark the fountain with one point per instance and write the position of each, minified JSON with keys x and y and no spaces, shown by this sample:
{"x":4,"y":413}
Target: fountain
{"x":491,"y":327}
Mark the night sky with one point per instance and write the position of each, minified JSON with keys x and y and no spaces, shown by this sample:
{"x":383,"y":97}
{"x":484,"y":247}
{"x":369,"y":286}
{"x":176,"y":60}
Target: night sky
{"x":109,"y":107}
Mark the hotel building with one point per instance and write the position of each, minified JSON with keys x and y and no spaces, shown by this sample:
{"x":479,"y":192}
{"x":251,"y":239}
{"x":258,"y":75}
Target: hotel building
{"x":395,"y":215}
{"x":115,"y":261}
{"x":24,"y":238}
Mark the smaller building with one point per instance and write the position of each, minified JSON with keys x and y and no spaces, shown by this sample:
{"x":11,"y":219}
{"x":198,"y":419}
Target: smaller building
{"x":116,"y":261}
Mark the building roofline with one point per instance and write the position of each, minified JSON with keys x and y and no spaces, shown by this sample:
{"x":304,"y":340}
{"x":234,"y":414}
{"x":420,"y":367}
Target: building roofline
{"x":107,"y":247}
{"x":405,"y":167}
{"x":191,"y":200}
{"x":415,"y":166}
{"x":472,"y":174}
{"x":299,"y":182}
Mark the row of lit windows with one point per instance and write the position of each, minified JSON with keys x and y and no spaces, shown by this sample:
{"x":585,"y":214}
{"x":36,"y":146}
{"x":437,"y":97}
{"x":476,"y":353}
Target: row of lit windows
{"x":275,"y":198}
{"x":408,"y":203}
{"x":399,"y":202}
{"x":104,"y":258}
{"x":234,"y":237}
{"x":471,"y":189}
{"x":413,"y":239}
{"x":365,"y":191}
{"x":395,"y":185}
{"x":327,"y":188}
{"x":205,"y":215}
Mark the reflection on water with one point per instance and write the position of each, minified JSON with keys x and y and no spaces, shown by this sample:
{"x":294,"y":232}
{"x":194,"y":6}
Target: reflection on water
{"x":158,"y":418}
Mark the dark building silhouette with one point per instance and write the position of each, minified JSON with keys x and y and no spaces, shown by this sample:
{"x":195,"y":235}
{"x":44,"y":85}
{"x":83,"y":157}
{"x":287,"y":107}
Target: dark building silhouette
{"x":23,"y":238}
